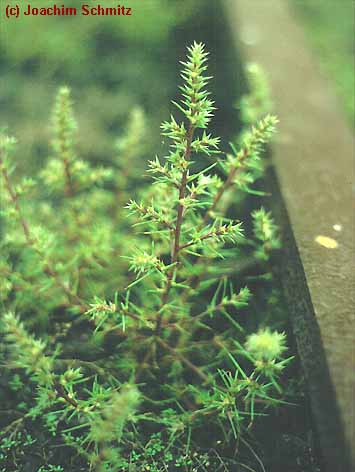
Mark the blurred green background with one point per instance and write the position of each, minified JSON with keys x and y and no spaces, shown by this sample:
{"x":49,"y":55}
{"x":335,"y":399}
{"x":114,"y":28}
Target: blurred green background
{"x":329,"y":28}
{"x":115,"y":63}
{"x":111,"y":65}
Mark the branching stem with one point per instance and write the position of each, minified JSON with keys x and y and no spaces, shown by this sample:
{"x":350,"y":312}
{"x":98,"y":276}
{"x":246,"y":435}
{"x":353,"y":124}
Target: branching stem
{"x":184,"y":360}
{"x":177,"y":232}
{"x":48,"y":269}
{"x":226,"y":185}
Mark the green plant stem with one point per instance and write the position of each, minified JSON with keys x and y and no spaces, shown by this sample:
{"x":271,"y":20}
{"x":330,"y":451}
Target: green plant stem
{"x":202,"y":238}
{"x":14,"y":424}
{"x":86,"y":364}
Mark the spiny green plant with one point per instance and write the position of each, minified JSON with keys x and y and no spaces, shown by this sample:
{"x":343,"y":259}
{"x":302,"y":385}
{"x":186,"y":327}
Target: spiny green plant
{"x":132,"y":340}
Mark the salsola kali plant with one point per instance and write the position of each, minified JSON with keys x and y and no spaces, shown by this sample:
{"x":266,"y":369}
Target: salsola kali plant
{"x":127,"y":346}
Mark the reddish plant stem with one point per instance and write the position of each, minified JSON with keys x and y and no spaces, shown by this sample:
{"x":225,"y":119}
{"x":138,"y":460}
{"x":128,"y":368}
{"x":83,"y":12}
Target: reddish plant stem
{"x":177,"y":231}
{"x":184,"y":360}
{"x":194,"y":282}
{"x":226,"y":185}
{"x":182,"y":192}
{"x":69,"y":189}
{"x":63,"y":394}
{"x":48,"y":269}
{"x":15,"y":201}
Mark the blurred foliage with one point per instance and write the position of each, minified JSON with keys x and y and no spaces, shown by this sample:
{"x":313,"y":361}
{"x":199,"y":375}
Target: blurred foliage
{"x":330,"y":30}
{"x":106,"y":60}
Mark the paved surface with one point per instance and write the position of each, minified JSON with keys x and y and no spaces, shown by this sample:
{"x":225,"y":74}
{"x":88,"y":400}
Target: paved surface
{"x":314,"y":165}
